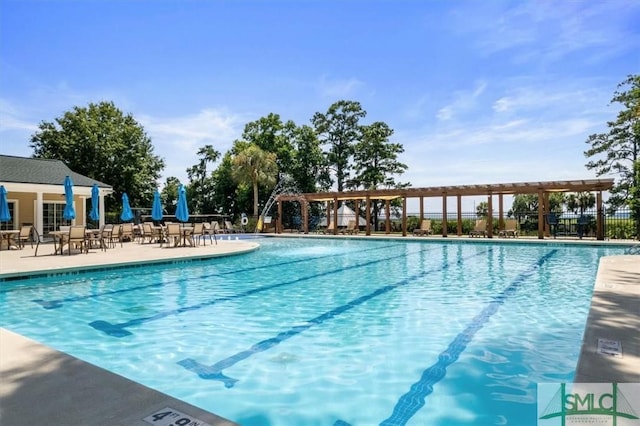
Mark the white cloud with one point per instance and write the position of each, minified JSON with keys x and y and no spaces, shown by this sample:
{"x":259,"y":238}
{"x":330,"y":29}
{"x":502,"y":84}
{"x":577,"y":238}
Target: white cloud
{"x":339,"y":88}
{"x":177,"y":139}
{"x":463,"y":101}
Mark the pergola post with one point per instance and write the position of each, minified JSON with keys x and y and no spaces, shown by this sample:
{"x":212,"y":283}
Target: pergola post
{"x":542,"y":205}
{"x":279,"y":230}
{"x":368,"y":215}
{"x":404,"y":216}
{"x":459,"y":215}
{"x":600,"y":217}
{"x":387,"y":211}
{"x":444,"y":214}
{"x":335,"y":215}
{"x":490,"y":216}
{"x":421,"y":209}
{"x":500,"y":212}
{"x":305,"y":215}
{"x":357,"y":212}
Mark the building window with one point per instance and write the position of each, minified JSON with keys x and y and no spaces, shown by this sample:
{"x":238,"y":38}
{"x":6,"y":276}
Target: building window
{"x":12,"y":212}
{"x":52,"y":217}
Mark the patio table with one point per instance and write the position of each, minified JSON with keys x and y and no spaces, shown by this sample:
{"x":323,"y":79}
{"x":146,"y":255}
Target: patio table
{"x":8,"y":235}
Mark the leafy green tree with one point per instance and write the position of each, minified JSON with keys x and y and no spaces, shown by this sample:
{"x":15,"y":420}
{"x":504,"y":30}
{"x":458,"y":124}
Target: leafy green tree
{"x":104,"y":144}
{"x":200,"y":183}
{"x":618,"y":150}
{"x":634,"y":199}
{"x":224,"y":187}
{"x":268,"y":134}
{"x":169,"y":194}
{"x":254,"y":166}
{"x":338,"y":130}
{"x":376,"y":163}
{"x":307,"y":169}
{"x":376,"y":159}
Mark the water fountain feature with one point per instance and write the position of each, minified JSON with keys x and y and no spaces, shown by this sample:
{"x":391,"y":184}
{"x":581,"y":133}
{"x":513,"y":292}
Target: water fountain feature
{"x":285,"y":186}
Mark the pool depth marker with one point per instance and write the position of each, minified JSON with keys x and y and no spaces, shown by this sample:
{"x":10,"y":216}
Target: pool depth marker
{"x":214,"y":372}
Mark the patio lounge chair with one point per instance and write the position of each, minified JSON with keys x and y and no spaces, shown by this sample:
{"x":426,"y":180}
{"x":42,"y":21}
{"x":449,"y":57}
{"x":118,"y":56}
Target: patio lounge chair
{"x":229,"y":228}
{"x":510,"y":229}
{"x":480,"y":230}
{"x":351,"y":228}
{"x":424,"y":229}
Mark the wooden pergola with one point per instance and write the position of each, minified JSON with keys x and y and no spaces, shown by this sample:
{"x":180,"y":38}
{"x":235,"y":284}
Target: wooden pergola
{"x":542,"y":189}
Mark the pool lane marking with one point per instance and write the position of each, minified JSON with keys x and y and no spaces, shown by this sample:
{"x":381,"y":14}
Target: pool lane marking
{"x":215,"y":371}
{"x":118,"y":330}
{"x":57,"y":303}
{"x":412,"y":401}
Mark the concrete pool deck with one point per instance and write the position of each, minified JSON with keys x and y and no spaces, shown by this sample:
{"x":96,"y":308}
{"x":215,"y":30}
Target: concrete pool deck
{"x":39,"y":385}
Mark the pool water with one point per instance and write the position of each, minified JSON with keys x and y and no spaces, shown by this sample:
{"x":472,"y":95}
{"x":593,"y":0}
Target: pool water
{"x":331,"y":331}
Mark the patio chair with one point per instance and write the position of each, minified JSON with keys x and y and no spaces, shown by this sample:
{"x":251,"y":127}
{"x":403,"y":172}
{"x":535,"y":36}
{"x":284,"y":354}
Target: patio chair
{"x":480,"y":230}
{"x":510,"y":229}
{"x":148,"y":233}
{"x":198,"y":234}
{"x":174,"y":233}
{"x":583,"y":225}
{"x":552,"y":221}
{"x":24,"y":236}
{"x":126,"y":232}
{"x":106,"y":236}
{"x":424,"y":229}
{"x":211,"y":229}
{"x":350,"y":229}
{"x":77,"y":237}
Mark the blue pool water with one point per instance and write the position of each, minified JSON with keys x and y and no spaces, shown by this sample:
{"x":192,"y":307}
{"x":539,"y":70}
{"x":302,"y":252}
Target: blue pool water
{"x":331,"y":331}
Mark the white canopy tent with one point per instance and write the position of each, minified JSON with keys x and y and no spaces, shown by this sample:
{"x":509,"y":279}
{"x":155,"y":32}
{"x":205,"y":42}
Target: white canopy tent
{"x":345,"y":214}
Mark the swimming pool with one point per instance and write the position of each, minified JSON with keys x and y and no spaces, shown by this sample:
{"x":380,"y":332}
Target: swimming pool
{"x":331,"y":331}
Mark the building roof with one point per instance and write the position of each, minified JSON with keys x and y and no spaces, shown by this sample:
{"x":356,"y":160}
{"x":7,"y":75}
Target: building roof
{"x":39,"y":171}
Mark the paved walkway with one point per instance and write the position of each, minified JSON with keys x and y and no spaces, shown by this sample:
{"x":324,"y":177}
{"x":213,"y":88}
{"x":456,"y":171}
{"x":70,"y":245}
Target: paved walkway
{"x":31,"y":373}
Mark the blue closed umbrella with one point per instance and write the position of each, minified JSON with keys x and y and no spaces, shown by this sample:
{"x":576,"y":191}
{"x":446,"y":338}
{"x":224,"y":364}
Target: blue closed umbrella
{"x":69,"y":212}
{"x":127,"y":214}
{"x":156,"y":209}
{"x":95,"y":194}
{"x":5,"y":214}
{"x":182,"y":212}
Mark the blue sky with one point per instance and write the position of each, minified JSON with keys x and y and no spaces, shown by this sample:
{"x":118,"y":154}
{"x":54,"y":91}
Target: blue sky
{"x":476,"y":91}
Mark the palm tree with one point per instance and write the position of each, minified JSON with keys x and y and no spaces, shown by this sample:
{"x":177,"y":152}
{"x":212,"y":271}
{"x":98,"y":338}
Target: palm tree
{"x":581,"y":201}
{"x":254,"y":166}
